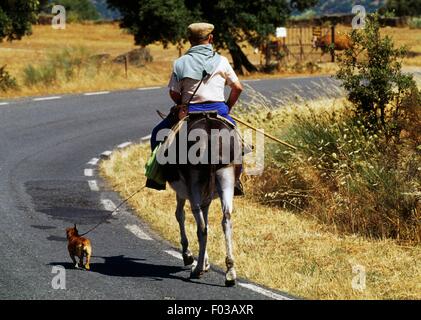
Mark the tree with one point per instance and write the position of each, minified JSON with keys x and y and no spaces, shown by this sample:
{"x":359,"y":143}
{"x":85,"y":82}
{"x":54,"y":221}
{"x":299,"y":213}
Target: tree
{"x":235,"y":21}
{"x":78,"y":10}
{"x":154,"y":20}
{"x":103,"y":10}
{"x":371,"y":73}
{"x":16,"y":18}
{"x":403,"y":7}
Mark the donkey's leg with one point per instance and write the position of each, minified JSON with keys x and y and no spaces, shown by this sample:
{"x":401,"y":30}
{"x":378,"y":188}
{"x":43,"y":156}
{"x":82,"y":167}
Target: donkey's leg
{"x":205,"y":210}
{"x":225,"y":179}
{"x":202,"y":235}
{"x":181,"y":218}
{"x":200,"y":208}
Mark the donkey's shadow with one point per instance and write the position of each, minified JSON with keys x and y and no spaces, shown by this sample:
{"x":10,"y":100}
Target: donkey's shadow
{"x":121,"y":266}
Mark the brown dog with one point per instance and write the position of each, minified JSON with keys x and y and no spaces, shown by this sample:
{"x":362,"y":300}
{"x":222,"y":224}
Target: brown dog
{"x":78,"y":247}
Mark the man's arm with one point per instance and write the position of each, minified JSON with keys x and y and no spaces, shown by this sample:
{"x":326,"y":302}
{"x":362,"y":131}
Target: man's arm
{"x":176,"y":97}
{"x":236,"y":89}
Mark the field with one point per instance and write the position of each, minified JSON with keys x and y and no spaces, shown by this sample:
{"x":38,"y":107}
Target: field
{"x":276,"y":247}
{"x":110,"y":39}
{"x":298,"y":230}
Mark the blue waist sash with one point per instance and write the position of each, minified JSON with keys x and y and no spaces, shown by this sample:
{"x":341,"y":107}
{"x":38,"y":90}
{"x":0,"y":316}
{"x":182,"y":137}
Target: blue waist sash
{"x":220,"y":107}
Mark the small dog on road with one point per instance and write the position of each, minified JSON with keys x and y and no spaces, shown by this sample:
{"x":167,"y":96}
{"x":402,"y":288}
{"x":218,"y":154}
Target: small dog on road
{"x":78,"y":247}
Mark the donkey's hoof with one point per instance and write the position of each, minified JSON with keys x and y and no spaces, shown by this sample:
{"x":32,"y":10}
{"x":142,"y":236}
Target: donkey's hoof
{"x":207,"y":267}
{"x":196,"y":274}
{"x":188,"y":259}
{"x":230,"y":283}
{"x":230,"y":278}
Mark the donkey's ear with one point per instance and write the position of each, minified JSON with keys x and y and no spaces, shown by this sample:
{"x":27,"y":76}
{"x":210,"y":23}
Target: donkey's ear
{"x":75,"y":226}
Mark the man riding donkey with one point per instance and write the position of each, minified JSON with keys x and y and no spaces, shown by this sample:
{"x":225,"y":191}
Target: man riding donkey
{"x":197,"y":85}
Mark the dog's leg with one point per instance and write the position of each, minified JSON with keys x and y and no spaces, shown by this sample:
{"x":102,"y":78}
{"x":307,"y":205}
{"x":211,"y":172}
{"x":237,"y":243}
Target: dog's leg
{"x":88,"y":254}
{"x":74,"y":261}
{"x":81,"y":260}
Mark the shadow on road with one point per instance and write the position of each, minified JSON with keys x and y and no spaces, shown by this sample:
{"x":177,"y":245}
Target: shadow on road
{"x":121,"y":266}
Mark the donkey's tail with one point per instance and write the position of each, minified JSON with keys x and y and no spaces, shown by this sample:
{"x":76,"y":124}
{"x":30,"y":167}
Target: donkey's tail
{"x":210,"y":190}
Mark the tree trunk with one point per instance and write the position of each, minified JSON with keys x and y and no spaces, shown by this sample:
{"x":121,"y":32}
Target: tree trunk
{"x":240,"y":59}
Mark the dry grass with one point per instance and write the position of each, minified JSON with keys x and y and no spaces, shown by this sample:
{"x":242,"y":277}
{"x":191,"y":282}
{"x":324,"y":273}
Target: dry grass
{"x":109,"y":38}
{"x":98,"y":39}
{"x":275,"y":247}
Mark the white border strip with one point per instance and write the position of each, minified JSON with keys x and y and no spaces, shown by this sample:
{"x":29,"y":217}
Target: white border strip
{"x":47,"y":98}
{"x":109,"y":206}
{"x":175,"y":254}
{"x":93,"y":185}
{"x":88,"y":172}
{"x":149,"y":88}
{"x":93,"y":162}
{"x":106,"y":155}
{"x":146,"y":138}
{"x":252,"y":80}
{"x":264,"y":292}
{"x":96,"y":93}
{"x":138,"y":232}
{"x":4,"y":103}
{"x":124,"y":145}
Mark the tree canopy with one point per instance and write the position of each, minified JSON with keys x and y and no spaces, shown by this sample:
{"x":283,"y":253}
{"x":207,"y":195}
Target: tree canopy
{"x":16,"y":18}
{"x":404,"y":7}
{"x":235,"y":21}
{"x":78,"y":10}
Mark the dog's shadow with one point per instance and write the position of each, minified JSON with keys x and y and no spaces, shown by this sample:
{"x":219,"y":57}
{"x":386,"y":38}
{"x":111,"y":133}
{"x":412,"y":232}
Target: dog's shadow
{"x":121,"y":266}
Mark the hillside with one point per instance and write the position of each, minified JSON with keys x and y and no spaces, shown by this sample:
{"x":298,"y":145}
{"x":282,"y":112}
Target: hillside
{"x":345,"y":6}
{"x":101,"y":6}
{"x":323,"y":8}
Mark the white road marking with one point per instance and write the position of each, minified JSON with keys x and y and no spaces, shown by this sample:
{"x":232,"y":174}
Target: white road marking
{"x":109,"y":206}
{"x":175,"y":254}
{"x":47,"y":98}
{"x":106,"y":155}
{"x":124,"y":145}
{"x":93,"y":185}
{"x":138,"y":232}
{"x":88,"y":172}
{"x":96,"y":93}
{"x":252,"y":80}
{"x":264,"y":292}
{"x":146,"y":138}
{"x":149,"y":88}
{"x":93,"y":162}
{"x":4,"y":103}
{"x":249,"y":286}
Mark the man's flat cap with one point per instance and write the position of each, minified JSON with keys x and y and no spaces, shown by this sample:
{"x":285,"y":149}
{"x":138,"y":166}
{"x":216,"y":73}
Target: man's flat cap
{"x":200,"y":30}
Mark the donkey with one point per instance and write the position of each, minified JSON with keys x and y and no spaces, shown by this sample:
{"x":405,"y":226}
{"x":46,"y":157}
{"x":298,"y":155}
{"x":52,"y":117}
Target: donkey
{"x":217,"y":148}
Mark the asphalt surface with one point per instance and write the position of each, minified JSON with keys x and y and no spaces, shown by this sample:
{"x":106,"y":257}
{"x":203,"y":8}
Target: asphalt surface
{"x":44,"y":149}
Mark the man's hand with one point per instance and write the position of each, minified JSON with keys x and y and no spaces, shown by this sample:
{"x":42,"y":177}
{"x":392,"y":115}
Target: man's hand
{"x":176,"y":97}
{"x":236,"y":89}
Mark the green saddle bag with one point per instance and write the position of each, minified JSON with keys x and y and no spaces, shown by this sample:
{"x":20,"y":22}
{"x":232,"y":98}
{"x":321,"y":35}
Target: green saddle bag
{"x":153,"y":170}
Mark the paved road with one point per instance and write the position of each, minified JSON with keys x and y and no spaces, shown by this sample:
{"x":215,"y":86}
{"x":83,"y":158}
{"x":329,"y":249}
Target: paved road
{"x":45,"y":146}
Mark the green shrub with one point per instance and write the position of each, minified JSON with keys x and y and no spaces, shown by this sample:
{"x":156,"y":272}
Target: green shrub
{"x":415,"y":23}
{"x":45,"y":75}
{"x":344,"y":173}
{"x":79,"y":10}
{"x":371,"y":73}
{"x":67,"y":64}
{"x":347,"y":176}
{"x":7,"y":82}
